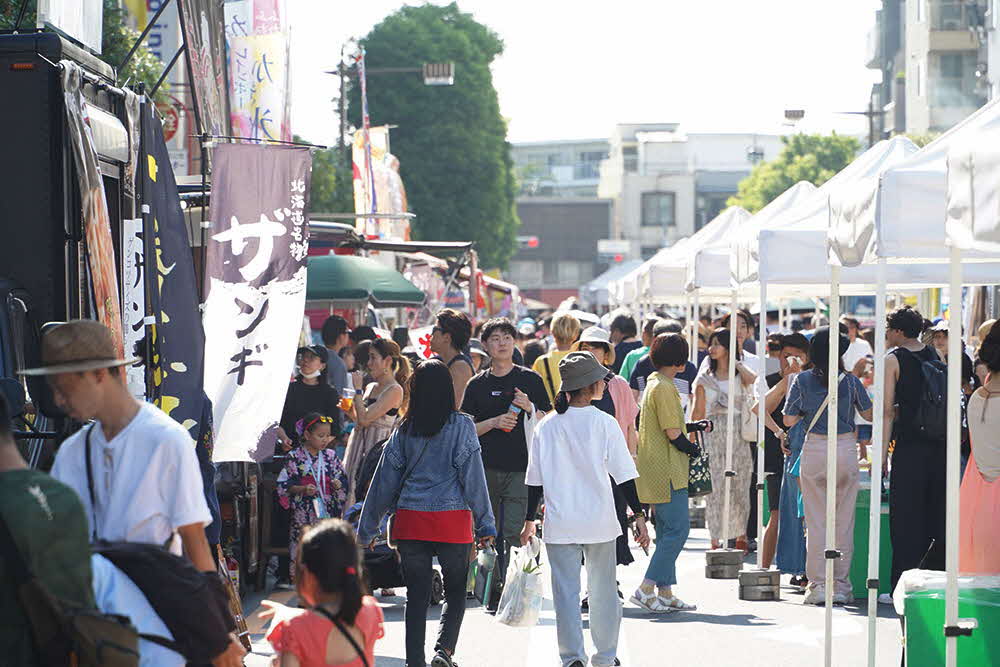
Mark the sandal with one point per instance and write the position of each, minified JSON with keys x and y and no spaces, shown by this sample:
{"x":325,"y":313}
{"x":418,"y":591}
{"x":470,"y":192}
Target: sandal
{"x":649,"y":601}
{"x":674,"y":603}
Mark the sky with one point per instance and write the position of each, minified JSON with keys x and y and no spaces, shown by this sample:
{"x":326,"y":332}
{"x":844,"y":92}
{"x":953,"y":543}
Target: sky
{"x":572,"y":70}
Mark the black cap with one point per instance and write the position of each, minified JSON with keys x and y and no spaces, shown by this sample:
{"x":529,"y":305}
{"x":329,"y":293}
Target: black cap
{"x":318,"y":350}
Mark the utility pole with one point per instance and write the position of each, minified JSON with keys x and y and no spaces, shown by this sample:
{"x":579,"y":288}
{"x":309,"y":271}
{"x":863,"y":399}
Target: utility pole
{"x":341,"y":69}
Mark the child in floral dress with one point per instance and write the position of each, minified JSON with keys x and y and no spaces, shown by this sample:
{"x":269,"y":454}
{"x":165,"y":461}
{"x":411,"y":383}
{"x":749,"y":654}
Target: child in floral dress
{"x":313,"y":484}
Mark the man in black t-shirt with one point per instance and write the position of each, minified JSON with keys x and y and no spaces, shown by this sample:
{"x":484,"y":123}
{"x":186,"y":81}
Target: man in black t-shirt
{"x":684,"y":381}
{"x":917,"y":499}
{"x":488,"y":399}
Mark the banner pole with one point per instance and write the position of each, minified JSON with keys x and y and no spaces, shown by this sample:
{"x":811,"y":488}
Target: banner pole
{"x":730,"y":421}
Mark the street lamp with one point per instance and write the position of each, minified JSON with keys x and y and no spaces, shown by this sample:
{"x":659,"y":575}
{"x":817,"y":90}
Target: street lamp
{"x":433,"y":74}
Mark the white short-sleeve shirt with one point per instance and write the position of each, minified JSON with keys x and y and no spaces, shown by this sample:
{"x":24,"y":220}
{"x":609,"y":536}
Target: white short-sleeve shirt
{"x":147,"y":482}
{"x":571,"y":456}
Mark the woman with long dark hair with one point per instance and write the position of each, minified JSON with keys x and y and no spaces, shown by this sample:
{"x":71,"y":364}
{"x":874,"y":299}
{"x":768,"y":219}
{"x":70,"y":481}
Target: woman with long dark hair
{"x":376,"y":413}
{"x":711,"y":401}
{"x":431,"y":473}
{"x":807,"y":402}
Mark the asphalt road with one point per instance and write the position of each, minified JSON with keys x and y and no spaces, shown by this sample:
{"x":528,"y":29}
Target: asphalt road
{"x":723,"y":631}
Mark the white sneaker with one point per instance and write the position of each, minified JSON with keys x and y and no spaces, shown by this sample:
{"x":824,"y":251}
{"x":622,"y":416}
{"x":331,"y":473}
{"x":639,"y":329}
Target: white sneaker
{"x":841,"y":598}
{"x":815,"y":596}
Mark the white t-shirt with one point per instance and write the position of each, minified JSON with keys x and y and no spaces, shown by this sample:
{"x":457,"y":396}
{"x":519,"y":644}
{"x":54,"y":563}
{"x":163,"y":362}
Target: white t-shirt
{"x":115,"y":593}
{"x":571,"y":456}
{"x":857,"y":351}
{"x":146,"y":480}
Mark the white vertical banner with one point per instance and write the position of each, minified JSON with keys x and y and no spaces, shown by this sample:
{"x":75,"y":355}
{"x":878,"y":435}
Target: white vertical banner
{"x":134,"y":302}
{"x":256,"y":291}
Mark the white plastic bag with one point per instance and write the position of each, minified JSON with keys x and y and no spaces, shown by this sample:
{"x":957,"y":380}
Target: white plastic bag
{"x":521,"y":600}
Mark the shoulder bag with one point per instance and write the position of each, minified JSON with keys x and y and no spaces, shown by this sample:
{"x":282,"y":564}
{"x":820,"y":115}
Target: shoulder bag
{"x":822,"y":408}
{"x":347,"y":635}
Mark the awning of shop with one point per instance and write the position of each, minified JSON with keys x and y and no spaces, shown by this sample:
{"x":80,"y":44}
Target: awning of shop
{"x":351,"y":279}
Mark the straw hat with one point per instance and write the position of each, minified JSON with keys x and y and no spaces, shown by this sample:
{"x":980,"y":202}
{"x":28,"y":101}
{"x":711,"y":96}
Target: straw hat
{"x":597,"y":335}
{"x":78,"y":346}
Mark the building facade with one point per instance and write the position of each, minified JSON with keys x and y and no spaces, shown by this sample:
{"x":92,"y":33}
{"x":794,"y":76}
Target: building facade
{"x":665,"y":184}
{"x":934,"y":56}
{"x":559,"y":168}
{"x":565,"y":256}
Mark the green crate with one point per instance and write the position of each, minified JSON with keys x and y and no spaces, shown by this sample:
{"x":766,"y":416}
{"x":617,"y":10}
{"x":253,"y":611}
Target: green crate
{"x":859,"y":562}
{"x":925,"y":628}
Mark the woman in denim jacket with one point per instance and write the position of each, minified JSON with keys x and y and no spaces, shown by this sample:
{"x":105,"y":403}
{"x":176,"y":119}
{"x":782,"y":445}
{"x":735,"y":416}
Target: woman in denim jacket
{"x":432,"y":474}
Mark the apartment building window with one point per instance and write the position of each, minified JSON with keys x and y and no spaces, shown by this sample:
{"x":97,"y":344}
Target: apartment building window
{"x":658,"y":209}
{"x":955,"y":81}
{"x":589,"y":164}
{"x":630,"y":155}
{"x":648,"y":251}
{"x":523,"y":272}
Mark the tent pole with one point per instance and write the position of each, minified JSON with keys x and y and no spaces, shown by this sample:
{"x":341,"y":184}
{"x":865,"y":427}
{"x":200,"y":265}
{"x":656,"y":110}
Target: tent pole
{"x":730,"y":422}
{"x":696,"y":328}
{"x":953,"y":453}
{"x":761,"y":386}
{"x":833,"y":381}
{"x":687,"y":319}
{"x":876,"y":453}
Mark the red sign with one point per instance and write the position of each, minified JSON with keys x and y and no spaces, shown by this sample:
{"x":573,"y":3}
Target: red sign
{"x":171,"y":118}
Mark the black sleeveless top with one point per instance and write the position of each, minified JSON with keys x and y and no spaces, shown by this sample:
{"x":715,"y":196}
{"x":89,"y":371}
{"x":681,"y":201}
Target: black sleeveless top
{"x":908,"y":390}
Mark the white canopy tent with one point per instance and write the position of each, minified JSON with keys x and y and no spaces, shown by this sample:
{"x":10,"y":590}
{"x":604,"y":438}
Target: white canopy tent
{"x":596,"y":292}
{"x":664,"y":276}
{"x":903,"y":221}
{"x":709,"y":272}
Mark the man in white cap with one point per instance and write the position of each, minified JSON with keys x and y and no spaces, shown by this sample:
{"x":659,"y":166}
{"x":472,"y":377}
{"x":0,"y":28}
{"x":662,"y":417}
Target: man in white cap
{"x":134,"y":468}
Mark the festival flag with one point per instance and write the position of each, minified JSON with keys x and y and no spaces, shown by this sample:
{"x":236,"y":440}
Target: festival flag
{"x":203,"y":27}
{"x":178,"y":344}
{"x":256,"y":290}
{"x":96,"y":219}
{"x":259,"y":72}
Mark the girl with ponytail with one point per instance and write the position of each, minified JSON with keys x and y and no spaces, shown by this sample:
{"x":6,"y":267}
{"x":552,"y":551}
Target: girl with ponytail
{"x":341,"y":622}
{"x":379,"y":406}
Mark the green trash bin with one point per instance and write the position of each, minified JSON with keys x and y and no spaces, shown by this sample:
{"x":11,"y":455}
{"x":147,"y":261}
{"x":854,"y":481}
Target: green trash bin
{"x":859,"y":563}
{"x":925,"y":627}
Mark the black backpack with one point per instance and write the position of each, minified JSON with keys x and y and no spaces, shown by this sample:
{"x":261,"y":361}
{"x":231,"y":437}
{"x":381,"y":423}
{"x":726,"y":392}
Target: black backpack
{"x":193,"y":605}
{"x":366,"y":471}
{"x":930,"y":414}
{"x":65,"y":634}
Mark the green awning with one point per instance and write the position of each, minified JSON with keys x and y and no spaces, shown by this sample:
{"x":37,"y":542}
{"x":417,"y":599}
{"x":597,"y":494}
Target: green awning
{"x":351,"y":279}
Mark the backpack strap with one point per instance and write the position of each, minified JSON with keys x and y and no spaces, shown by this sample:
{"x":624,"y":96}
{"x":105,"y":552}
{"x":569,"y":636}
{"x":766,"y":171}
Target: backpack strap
{"x":548,"y":376}
{"x":340,"y":626}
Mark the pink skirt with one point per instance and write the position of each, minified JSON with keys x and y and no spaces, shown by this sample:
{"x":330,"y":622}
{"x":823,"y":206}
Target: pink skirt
{"x":979,"y":529}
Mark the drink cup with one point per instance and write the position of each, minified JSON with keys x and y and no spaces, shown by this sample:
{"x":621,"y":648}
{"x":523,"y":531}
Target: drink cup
{"x":347,"y":398}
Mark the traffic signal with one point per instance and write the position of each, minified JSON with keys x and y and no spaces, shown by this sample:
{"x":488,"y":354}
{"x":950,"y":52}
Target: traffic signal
{"x":527,"y":242}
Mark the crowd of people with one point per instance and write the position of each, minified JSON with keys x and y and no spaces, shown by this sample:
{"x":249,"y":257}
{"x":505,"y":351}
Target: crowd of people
{"x":584,"y":434}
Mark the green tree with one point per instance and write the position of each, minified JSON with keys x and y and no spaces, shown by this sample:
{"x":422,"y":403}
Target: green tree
{"x":805,"y":157}
{"x":451,"y":140}
{"x":922,"y":140}
{"x":332,"y":189}
{"x":117,"y":39}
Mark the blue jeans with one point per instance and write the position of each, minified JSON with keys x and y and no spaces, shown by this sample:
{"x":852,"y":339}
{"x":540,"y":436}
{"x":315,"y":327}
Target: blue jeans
{"x":672,"y":527}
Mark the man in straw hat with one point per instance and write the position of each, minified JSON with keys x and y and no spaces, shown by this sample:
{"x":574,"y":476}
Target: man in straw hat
{"x":142,"y":471}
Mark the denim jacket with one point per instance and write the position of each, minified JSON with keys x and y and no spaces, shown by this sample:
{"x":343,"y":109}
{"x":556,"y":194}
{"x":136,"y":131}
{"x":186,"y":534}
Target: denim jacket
{"x":449,"y":476}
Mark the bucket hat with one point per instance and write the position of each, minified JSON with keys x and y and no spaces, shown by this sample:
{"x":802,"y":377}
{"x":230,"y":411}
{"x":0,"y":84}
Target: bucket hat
{"x":581,"y":369}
